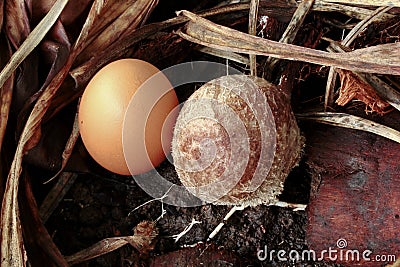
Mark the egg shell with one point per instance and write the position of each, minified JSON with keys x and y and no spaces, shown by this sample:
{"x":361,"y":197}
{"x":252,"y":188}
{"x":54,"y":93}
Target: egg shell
{"x":104,"y":105}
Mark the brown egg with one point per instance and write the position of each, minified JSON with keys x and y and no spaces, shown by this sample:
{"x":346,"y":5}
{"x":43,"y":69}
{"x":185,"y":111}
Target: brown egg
{"x":112,"y":106}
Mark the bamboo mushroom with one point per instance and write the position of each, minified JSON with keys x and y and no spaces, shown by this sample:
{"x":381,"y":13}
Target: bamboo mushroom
{"x":235,"y":141}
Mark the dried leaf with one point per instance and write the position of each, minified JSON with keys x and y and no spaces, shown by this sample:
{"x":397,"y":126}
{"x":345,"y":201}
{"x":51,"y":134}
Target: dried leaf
{"x":16,"y":22}
{"x":297,"y":20}
{"x":69,"y":146}
{"x":102,"y":14}
{"x":32,"y":41}
{"x":56,"y":194}
{"x":353,"y":87}
{"x":283,"y":9}
{"x":388,"y":93}
{"x":46,"y":153}
{"x":17,"y":29}
{"x":70,"y":13}
{"x":224,"y":54}
{"x":346,"y":42}
{"x":100,"y":248}
{"x":291,"y":31}
{"x":73,"y":10}
{"x":352,"y":122}
{"x":26,"y":85}
{"x":363,"y":2}
{"x":106,"y":12}
{"x":56,"y":52}
{"x":362,"y":25}
{"x":5,"y":103}
{"x":92,"y":22}
{"x":356,"y":12}
{"x":1,"y":14}
{"x":5,"y":92}
{"x":84,"y":72}
{"x":377,"y":59}
{"x":39,"y":244}
{"x":142,"y":240}
{"x":252,"y":29}
{"x":12,"y":248}
{"x":123,"y":20}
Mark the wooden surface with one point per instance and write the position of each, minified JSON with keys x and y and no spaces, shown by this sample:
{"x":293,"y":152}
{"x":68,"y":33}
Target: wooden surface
{"x":356,"y":186}
{"x":201,"y":255}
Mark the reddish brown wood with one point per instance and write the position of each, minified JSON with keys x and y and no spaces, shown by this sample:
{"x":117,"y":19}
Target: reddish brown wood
{"x":201,"y":255}
{"x":358,"y":198}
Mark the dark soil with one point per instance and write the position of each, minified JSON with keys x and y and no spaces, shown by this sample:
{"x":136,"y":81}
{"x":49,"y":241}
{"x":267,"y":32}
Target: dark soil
{"x":99,"y":207}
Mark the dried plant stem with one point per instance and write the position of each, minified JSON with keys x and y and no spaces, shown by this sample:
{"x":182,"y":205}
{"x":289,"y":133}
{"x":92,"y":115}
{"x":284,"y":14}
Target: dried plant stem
{"x":384,"y":90}
{"x":352,"y":122}
{"x":69,"y":146}
{"x":82,"y":74}
{"x":381,"y":59}
{"x":11,"y":236}
{"x":253,"y":15}
{"x":32,"y":40}
{"x":360,"y":27}
{"x":297,"y":20}
{"x":363,"y":2}
{"x":56,"y":194}
{"x":347,"y":41}
{"x":291,"y":31}
{"x":142,"y":240}
{"x":12,"y":248}
{"x":104,"y":246}
{"x":329,"y":98}
{"x":225,"y":54}
{"x":36,"y":235}
{"x":6,"y":93}
{"x":351,"y":11}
